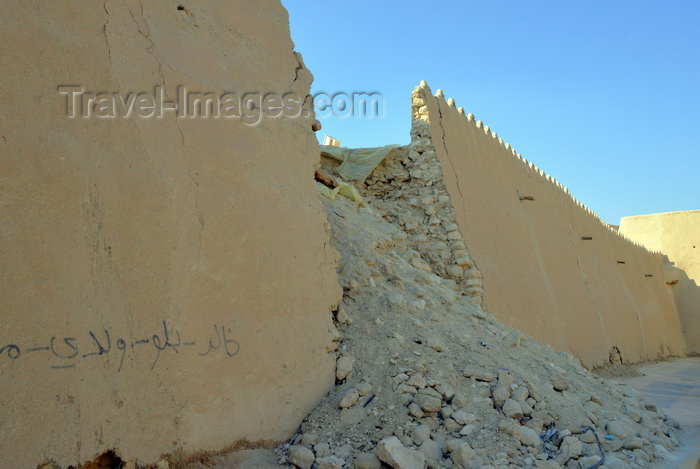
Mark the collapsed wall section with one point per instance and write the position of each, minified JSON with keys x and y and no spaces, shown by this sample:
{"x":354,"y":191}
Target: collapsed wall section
{"x":165,"y":282}
{"x":550,"y":266}
{"x":408,"y":190}
{"x":676,"y":234}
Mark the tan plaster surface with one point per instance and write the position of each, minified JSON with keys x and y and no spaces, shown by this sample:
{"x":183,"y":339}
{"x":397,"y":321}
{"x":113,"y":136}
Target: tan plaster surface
{"x":539,"y":274}
{"x":676,"y":234}
{"x":197,"y":245}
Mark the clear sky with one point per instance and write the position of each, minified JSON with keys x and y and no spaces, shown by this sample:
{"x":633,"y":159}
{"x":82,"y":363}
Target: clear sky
{"x":604,"y":96}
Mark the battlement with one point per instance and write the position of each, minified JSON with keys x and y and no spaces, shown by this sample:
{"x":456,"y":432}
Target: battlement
{"x":449,"y":105}
{"x":550,"y":265}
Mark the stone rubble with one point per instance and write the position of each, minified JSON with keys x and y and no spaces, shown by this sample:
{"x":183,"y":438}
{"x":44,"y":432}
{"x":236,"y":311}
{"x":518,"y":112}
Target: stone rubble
{"x":301,"y":456}
{"x":391,"y":451}
{"x":426,"y":378}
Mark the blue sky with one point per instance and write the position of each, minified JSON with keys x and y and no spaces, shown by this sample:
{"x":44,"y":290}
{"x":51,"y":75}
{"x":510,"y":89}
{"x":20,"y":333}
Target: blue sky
{"x":604,"y":96}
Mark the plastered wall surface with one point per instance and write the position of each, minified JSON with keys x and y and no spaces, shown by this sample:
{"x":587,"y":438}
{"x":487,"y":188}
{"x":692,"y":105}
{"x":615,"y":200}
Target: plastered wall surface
{"x":525,"y":233}
{"x":676,"y":234}
{"x":165,"y":283}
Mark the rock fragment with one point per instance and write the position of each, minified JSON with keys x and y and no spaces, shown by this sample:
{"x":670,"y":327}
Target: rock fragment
{"x":463,"y":418}
{"x":633,"y":443}
{"x":349,"y":398}
{"x":512,"y":409}
{"x":463,"y":454}
{"x":459,"y":400}
{"x":620,"y":429}
{"x":505,"y":378}
{"x":331,"y":462}
{"x":520,"y":394}
{"x":420,"y":434}
{"x":452,"y":426}
{"x":500,"y":394}
{"x":415,"y":410}
{"x":367,"y":461}
{"x":529,"y":437}
{"x":559,"y":383}
{"x":301,"y":456}
{"x":322,"y":450}
{"x":661,"y":452}
{"x":309,"y":438}
{"x":428,"y":403}
{"x":343,"y":367}
{"x":431,"y":450}
{"x":364,"y":388}
{"x":342,"y":316}
{"x":613,"y":462}
{"x":571,"y":447}
{"x":392,"y":452}
{"x":478,"y":373}
{"x":547,"y":465}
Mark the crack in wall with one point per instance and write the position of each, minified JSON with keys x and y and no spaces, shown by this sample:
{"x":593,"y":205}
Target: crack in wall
{"x":150,"y":50}
{"x":104,"y":32}
{"x":447,"y":153}
{"x":408,"y":189}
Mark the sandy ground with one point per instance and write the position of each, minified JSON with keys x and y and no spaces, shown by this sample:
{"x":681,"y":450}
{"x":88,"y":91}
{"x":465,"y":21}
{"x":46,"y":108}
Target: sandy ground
{"x":249,"y":459}
{"x":675,"y":387}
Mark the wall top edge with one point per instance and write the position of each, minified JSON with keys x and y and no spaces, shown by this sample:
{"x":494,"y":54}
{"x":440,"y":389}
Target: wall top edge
{"x":469,"y":119}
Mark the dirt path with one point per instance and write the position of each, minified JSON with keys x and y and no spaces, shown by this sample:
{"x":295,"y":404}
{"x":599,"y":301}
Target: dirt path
{"x":675,"y":387}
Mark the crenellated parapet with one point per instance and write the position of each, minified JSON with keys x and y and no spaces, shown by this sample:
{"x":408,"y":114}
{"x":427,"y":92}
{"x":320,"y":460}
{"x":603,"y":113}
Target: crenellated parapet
{"x":449,"y":105}
{"x":547,"y":263}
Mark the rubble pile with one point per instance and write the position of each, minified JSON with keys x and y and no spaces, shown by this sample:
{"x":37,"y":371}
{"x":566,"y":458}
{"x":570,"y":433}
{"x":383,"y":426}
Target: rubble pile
{"x":426,"y":378}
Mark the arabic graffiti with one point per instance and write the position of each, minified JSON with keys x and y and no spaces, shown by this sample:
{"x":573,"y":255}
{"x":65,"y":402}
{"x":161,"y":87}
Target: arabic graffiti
{"x":66,"y":352}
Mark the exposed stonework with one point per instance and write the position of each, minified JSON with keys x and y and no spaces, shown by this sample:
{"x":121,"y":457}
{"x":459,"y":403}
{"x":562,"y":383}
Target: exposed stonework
{"x":407,"y":188}
{"x":448,"y":386}
{"x":436,"y":381}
